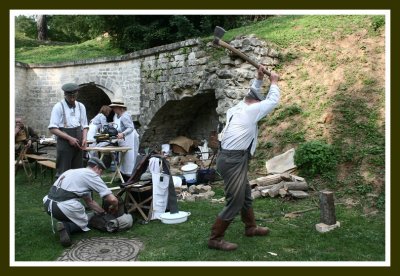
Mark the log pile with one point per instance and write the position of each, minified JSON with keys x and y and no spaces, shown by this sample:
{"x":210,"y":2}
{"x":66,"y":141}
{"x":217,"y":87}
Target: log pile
{"x":283,"y":185}
{"x":279,"y":185}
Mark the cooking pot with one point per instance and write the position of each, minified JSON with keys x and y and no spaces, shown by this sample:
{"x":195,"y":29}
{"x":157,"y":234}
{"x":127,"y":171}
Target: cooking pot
{"x":179,"y":217}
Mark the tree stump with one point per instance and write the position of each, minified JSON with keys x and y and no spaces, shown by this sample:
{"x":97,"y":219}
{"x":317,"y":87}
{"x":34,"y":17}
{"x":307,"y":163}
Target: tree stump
{"x":327,"y":206}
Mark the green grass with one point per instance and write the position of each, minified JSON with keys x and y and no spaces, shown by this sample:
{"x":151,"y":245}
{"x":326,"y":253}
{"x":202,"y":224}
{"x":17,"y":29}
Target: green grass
{"x":28,"y":51}
{"x":360,"y":238}
{"x":301,"y":30}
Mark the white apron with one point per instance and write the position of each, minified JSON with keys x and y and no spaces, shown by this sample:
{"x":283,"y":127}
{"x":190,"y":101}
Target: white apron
{"x":129,"y":157}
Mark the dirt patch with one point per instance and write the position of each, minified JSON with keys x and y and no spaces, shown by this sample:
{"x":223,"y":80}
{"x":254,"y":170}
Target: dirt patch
{"x":352,"y":66}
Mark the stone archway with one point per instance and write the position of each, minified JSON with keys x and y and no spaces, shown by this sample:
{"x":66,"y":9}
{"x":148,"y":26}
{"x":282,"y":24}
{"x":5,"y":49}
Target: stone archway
{"x":194,"y":117}
{"x":93,"y":98}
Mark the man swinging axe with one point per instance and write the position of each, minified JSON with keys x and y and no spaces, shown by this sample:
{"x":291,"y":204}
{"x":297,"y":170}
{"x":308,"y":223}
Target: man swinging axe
{"x":238,"y":144}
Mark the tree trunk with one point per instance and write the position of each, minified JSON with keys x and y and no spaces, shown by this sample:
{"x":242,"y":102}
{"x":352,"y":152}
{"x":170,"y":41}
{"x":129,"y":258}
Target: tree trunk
{"x":41,"y":25}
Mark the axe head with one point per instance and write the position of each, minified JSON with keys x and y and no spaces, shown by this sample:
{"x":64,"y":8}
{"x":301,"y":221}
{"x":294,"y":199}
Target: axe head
{"x":219,"y":32}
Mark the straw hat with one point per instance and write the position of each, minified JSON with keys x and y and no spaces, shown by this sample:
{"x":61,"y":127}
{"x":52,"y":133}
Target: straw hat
{"x":117,"y":102}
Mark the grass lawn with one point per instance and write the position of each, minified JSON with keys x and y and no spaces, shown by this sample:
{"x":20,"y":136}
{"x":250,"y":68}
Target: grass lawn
{"x":360,"y":238}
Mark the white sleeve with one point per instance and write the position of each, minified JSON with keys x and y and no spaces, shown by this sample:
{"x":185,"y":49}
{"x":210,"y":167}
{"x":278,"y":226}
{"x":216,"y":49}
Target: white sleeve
{"x":56,"y":117}
{"x":270,"y":102}
{"x":83,"y":117}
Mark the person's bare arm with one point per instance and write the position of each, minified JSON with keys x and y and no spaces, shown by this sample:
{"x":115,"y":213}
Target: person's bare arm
{"x":93,"y":205}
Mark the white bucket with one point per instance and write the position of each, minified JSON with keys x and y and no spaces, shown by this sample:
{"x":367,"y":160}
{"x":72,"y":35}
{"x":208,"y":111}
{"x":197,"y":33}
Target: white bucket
{"x":190,"y":173}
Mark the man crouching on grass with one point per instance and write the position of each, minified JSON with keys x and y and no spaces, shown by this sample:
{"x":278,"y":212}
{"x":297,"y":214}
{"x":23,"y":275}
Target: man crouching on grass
{"x":63,"y":201}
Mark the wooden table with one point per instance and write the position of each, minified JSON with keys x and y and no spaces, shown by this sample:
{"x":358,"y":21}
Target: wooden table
{"x":109,"y":150}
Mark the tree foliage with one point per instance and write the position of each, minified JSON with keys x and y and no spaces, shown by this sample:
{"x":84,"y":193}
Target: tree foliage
{"x":132,"y":32}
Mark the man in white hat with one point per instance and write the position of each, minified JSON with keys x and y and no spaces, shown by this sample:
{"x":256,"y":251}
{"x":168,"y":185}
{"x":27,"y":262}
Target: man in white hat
{"x":238,"y":143}
{"x":63,"y":201}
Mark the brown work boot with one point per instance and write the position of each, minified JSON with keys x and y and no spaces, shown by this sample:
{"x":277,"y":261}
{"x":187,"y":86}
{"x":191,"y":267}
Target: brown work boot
{"x":217,"y":234}
{"x":65,"y":239}
{"x":251,"y":228}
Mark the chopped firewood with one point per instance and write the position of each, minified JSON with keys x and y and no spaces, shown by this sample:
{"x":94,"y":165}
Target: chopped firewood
{"x":298,"y":194}
{"x":297,"y":178}
{"x":274,"y":191}
{"x":282,"y":192}
{"x":264,"y":192}
{"x":286,"y":177}
{"x":255,"y":194}
{"x":298,"y":186}
{"x":267,"y":180}
{"x":262,"y":188}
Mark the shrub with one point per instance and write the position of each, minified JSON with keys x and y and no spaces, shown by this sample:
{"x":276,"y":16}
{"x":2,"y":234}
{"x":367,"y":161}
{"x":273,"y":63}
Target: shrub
{"x":315,"y":157}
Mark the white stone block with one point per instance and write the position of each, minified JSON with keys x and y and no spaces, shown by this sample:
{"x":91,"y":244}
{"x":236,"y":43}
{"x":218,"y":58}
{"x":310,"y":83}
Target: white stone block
{"x":322,"y":227}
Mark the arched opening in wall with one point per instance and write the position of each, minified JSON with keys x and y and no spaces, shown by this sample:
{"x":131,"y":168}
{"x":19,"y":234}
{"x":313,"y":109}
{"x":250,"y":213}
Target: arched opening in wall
{"x":93,"y":98}
{"x":192,"y":117}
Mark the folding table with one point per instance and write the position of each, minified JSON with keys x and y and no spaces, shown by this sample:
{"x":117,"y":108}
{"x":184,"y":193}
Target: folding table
{"x":110,"y":150}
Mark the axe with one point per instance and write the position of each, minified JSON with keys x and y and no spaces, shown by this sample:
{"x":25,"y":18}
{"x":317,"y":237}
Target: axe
{"x":219,"y":33}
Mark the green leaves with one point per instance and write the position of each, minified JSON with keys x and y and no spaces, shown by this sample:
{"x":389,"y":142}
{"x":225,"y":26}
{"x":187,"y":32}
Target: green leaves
{"x":315,"y":157}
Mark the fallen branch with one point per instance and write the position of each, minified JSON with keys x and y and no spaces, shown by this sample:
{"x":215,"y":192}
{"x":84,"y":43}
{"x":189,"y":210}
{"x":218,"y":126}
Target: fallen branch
{"x":297,"y":213}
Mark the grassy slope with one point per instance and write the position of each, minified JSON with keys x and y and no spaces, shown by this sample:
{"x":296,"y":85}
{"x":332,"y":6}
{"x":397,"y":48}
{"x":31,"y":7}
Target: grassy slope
{"x":31,"y":51}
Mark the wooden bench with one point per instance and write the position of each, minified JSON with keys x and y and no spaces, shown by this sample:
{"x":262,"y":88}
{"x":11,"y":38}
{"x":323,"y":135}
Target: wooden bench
{"x":22,"y":160}
{"x":46,"y":164}
{"x":36,"y":158}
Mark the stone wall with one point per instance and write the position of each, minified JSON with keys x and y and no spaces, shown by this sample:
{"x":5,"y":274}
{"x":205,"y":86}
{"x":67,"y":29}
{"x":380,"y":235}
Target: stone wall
{"x":182,"y":88}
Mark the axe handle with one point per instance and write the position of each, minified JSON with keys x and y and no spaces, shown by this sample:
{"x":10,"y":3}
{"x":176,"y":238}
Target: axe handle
{"x":240,"y":54}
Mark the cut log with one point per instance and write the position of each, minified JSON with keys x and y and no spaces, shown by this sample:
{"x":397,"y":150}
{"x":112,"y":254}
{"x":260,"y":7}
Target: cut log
{"x":297,"y":178}
{"x":253,"y":183}
{"x":262,"y":188}
{"x":286,"y":177}
{"x":282,"y":192}
{"x":255,"y":194}
{"x":297,"y":186}
{"x":327,"y":206}
{"x":264,"y":192}
{"x":274,"y":191}
{"x":298,"y":194}
{"x":268,"y":180}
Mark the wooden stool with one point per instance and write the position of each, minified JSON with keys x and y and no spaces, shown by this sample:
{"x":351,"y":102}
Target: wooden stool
{"x":36,"y":158}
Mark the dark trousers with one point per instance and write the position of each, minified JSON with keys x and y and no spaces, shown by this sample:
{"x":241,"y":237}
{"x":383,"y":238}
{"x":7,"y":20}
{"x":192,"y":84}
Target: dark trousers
{"x":60,"y":216}
{"x":69,"y":157}
{"x":233,"y":166}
